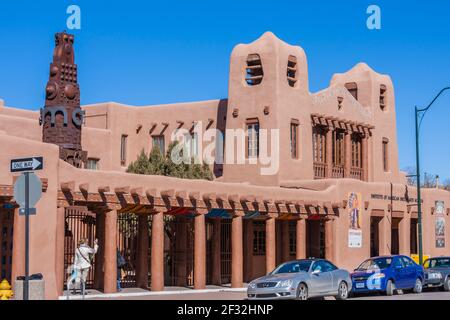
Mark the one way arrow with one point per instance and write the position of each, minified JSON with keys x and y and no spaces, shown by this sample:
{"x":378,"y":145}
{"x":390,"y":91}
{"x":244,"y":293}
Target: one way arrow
{"x":27,"y":164}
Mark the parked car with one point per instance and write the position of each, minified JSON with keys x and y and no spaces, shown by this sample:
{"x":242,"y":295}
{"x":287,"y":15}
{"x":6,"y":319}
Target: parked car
{"x":437,"y":272}
{"x":302,"y":279}
{"x":387,"y":274}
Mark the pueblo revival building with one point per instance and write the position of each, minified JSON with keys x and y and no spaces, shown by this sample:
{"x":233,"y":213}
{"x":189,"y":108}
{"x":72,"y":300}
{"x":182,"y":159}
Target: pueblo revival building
{"x":337,"y":191}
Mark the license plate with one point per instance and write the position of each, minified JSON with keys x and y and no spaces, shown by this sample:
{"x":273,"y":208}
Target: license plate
{"x":360,"y":285}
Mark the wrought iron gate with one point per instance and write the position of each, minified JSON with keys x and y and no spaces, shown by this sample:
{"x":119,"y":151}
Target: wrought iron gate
{"x":127,"y":244}
{"x":6,"y":242}
{"x":79,"y":223}
{"x":181,"y":253}
{"x":225,"y":251}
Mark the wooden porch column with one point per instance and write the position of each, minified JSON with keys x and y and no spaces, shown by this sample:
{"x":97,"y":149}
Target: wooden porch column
{"x":404,"y":230}
{"x":199,"y":252}
{"x":270,"y":244}
{"x":60,"y":229}
{"x":157,"y":255}
{"x":330,"y":239}
{"x":248,"y":250}
{"x":329,"y":152}
{"x":384,"y":232}
{"x":285,"y":250}
{"x":110,"y":257}
{"x":301,"y":239}
{"x":216,"y":277}
{"x":236,"y":252}
{"x":365,"y":157}
{"x":348,"y":154}
{"x":143,"y":246}
{"x":99,"y":257}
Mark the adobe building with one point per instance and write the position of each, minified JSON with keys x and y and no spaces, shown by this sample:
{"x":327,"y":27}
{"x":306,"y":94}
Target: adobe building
{"x":337,"y":191}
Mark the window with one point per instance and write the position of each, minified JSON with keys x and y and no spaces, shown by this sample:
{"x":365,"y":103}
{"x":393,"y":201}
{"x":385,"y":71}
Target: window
{"x":319,"y":143}
{"x":123,"y":149}
{"x":338,"y":147}
{"x":158,"y":141}
{"x":356,"y":150}
{"x":92,"y":164}
{"x":252,"y":138}
{"x":254,"y":70}
{"x":294,"y":139}
{"x":292,"y":71}
{"x":382,"y":97}
{"x":259,"y":238}
{"x":352,"y":87}
{"x":385,"y":154}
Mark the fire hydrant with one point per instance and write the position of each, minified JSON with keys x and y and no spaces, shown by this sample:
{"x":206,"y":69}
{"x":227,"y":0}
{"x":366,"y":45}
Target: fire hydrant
{"x":5,"y":290}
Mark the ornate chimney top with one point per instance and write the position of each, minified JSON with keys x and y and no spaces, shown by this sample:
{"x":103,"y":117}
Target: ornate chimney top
{"x":62,"y":117}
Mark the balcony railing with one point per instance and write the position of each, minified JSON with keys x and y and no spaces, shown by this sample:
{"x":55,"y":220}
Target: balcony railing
{"x":320,"y":170}
{"x":337,"y":171}
{"x":357,"y":173}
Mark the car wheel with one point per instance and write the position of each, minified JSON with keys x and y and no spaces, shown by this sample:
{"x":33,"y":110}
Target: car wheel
{"x":342,"y":291}
{"x":447,"y":284}
{"x":390,"y":288}
{"x":302,"y":292}
{"x":418,"y":286}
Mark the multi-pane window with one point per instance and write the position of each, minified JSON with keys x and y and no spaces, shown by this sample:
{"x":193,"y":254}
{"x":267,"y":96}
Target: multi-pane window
{"x":352,"y":87}
{"x":356,"y":150}
{"x":338,"y":147}
{"x":294,"y":139}
{"x":385,"y":151}
{"x":92,"y":164}
{"x":319,"y":143}
{"x":252,"y":138}
{"x":191,"y":144}
{"x":383,"y":97}
{"x":158,"y":141}
{"x":259,"y":238}
{"x":123,"y":149}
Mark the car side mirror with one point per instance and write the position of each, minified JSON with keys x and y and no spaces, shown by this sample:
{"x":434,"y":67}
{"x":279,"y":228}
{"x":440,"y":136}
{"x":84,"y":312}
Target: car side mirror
{"x":316,"y":272}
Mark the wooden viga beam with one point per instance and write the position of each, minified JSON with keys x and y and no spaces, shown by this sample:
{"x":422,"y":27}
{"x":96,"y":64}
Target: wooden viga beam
{"x":122,"y":190}
{"x":68,"y":186}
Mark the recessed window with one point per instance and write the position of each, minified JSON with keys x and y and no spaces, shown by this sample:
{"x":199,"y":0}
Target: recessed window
{"x":158,"y":142}
{"x":191,"y":144}
{"x":292,"y":71}
{"x":259,"y":238}
{"x":352,"y":87}
{"x":252,"y":138}
{"x":338,"y":147}
{"x":356,"y":150}
{"x":385,"y":151}
{"x":254,"y":70}
{"x":294,"y":138}
{"x":92,"y":164}
{"x":383,"y":97}
{"x":319,"y":143}
{"x":123,"y":149}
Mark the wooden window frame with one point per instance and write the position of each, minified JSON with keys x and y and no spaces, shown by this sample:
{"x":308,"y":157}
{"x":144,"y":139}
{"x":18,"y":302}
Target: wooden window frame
{"x":319,"y":132}
{"x":385,"y":154}
{"x":294,"y":136}
{"x":123,"y":149}
{"x":251,"y":123}
{"x":356,"y":151}
{"x":97,"y":160}
{"x":352,"y":87}
{"x":338,"y":147}
{"x":156,"y":136}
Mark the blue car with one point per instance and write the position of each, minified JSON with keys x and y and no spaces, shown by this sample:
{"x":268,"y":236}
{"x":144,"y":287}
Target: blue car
{"x":387,"y":274}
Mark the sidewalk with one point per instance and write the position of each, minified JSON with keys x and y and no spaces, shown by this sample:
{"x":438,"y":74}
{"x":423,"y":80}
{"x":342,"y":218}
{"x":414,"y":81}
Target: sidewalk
{"x":138,"y":292}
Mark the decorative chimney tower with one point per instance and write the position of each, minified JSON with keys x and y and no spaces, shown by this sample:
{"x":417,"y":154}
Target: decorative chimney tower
{"x":62,"y":117}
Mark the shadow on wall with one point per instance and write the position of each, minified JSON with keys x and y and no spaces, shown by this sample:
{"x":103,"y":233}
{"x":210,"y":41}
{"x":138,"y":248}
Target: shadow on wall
{"x":221,"y":125}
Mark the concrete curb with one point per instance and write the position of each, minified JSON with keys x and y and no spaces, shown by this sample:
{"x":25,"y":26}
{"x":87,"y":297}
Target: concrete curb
{"x":150,"y":293}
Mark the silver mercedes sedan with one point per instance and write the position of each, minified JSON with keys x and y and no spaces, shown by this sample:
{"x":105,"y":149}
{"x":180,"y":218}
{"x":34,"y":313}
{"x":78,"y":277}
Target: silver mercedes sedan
{"x":302,"y":279}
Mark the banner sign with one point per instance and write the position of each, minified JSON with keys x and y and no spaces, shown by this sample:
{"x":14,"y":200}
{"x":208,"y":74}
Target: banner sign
{"x":355,"y":220}
{"x":440,"y":224}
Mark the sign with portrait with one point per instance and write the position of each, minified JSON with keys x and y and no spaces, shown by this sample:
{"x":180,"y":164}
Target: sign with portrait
{"x":440,"y":224}
{"x":355,"y":220}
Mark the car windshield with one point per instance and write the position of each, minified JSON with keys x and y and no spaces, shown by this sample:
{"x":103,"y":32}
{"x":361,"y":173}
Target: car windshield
{"x":293,"y":267}
{"x":375,"y":264}
{"x":440,"y":263}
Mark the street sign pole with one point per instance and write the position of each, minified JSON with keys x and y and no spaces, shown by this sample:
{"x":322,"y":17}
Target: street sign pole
{"x":27,"y":235}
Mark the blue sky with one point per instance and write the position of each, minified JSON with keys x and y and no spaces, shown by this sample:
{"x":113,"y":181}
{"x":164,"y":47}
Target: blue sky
{"x":151,"y":52}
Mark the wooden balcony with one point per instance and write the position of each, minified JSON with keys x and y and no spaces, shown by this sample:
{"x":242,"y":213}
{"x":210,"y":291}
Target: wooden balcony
{"x":337,"y":171}
{"x":357,"y":173}
{"x":320,"y":170}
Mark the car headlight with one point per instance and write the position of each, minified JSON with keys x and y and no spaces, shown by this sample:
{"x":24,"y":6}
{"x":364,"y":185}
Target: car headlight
{"x":252,"y":285}
{"x":434,"y":275}
{"x":285,"y":283}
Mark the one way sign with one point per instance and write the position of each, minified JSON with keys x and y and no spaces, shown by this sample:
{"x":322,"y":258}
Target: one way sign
{"x":27,"y":164}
